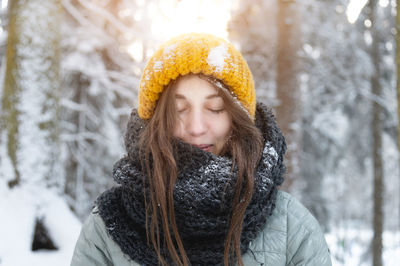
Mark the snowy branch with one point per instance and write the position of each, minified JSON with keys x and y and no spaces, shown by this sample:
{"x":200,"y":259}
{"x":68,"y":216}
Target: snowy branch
{"x":108,"y":16}
{"x":82,"y":20}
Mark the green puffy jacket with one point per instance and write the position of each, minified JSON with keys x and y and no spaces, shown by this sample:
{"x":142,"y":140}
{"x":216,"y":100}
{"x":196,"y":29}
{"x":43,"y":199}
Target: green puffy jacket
{"x":292,"y":236}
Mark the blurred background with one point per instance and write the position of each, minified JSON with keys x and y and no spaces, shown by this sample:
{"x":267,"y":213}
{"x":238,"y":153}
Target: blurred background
{"x":69,"y":74}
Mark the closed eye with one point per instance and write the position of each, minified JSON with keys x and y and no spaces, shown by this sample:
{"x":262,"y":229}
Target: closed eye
{"x":182,"y":110}
{"x":217,"y":111}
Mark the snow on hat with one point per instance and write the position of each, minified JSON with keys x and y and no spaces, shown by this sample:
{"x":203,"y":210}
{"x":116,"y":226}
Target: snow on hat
{"x":196,"y":53}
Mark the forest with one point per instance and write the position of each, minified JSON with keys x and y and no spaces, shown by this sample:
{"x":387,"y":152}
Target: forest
{"x":69,"y":78}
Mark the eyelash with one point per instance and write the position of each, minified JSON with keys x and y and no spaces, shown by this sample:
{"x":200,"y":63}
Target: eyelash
{"x":211,"y":110}
{"x":217,"y":111}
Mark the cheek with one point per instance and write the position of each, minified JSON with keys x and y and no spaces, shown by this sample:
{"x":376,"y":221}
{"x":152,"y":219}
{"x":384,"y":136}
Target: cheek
{"x":223,"y":128}
{"x":178,"y":130}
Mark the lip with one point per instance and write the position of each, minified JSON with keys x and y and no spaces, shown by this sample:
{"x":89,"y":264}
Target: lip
{"x":204,"y":147}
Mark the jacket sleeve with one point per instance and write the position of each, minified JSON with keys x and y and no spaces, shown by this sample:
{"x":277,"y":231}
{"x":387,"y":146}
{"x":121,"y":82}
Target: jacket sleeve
{"x":90,"y":249}
{"x":305,"y":239}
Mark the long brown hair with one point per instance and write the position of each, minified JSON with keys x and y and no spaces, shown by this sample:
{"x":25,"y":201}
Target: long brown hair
{"x":244,"y":147}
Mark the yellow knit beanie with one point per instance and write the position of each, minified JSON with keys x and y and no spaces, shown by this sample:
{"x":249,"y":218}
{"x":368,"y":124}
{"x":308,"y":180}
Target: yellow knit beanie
{"x":196,"y":53}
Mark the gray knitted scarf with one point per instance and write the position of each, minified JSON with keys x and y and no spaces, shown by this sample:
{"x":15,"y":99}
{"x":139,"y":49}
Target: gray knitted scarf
{"x":202,"y":196}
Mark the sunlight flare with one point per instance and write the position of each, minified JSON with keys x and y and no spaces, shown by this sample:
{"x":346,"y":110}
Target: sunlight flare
{"x":176,"y":17}
{"x":353,"y":9}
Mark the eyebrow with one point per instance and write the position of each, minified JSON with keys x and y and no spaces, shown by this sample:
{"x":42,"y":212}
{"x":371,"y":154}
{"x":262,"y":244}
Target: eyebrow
{"x":180,"y":96}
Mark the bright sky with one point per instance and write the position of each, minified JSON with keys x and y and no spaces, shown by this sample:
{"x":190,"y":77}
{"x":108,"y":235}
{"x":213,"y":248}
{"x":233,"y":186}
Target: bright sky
{"x":355,"y":6}
{"x":4,"y":4}
{"x":183,"y":16}
{"x":170,"y":18}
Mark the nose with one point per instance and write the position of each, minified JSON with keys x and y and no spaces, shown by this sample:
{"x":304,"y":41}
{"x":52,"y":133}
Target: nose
{"x":196,"y":124}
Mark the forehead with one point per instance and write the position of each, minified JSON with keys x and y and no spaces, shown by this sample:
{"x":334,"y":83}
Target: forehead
{"x":192,"y":86}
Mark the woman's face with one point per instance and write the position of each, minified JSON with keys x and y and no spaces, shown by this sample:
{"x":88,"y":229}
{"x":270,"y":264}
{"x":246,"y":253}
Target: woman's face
{"x":202,"y":118}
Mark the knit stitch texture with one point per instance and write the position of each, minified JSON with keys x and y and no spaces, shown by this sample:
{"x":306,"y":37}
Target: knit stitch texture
{"x":202,"y":196}
{"x":196,"y":53}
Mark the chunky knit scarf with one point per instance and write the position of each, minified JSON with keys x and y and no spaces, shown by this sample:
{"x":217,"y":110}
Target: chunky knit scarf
{"x":202,"y":196}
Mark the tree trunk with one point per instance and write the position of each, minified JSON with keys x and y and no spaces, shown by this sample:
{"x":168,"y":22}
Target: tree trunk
{"x":4,"y":28}
{"x":29,"y":110}
{"x":398,"y":75}
{"x":376,"y":140}
{"x":287,"y":87}
{"x":10,"y":96}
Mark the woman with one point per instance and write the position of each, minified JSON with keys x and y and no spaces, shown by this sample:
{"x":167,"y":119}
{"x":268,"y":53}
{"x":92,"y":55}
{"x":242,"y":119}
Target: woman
{"x":198,"y":185}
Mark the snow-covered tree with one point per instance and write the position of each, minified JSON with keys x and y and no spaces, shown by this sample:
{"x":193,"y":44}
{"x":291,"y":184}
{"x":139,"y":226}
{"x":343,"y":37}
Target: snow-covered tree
{"x":98,"y":84}
{"x":31,"y":172}
{"x":30,"y":114}
{"x":335,"y":82}
{"x":99,"y":87}
{"x":337,"y":68}
{"x":3,"y":30}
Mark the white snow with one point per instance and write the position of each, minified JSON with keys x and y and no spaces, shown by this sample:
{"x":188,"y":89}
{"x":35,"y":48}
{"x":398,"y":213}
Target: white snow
{"x":270,"y":155}
{"x":217,"y":56}
{"x":19,"y":210}
{"x":212,"y":167}
{"x":20,"y":207}
{"x":169,"y":51}
{"x":349,"y":246}
{"x":146,"y":76}
{"x":334,"y":124}
{"x":6,"y":172}
{"x":158,"y":66}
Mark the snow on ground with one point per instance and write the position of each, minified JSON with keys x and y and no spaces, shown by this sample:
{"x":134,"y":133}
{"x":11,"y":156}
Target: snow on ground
{"x":349,"y":247}
{"x":19,"y":207}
